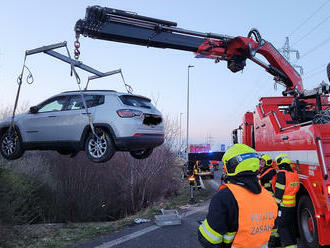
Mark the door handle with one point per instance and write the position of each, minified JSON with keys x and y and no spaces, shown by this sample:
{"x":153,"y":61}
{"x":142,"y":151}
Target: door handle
{"x":51,"y":116}
{"x":85,"y":113}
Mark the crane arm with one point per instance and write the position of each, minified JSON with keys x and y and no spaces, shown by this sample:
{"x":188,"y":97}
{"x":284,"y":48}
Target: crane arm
{"x":127,"y":27}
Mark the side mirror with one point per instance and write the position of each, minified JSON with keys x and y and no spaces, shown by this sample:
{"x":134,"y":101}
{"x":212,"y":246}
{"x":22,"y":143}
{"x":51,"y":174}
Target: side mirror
{"x":33,"y":110}
{"x":328,"y":71}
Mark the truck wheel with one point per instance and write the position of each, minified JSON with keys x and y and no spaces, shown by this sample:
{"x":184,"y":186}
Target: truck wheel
{"x":99,"y":150}
{"x":142,"y":154}
{"x":11,"y":145}
{"x":307,"y":223}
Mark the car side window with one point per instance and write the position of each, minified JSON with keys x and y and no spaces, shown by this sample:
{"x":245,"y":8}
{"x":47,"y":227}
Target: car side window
{"x":55,"y":104}
{"x":76,"y":102}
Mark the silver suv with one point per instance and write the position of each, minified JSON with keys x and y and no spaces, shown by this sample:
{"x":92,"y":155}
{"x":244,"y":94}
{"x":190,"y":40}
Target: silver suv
{"x":123,"y":122}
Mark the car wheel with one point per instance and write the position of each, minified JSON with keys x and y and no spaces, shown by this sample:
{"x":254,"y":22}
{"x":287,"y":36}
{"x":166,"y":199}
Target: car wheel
{"x":11,"y":145}
{"x":307,"y":223}
{"x":100,"y":149}
{"x":142,"y":154}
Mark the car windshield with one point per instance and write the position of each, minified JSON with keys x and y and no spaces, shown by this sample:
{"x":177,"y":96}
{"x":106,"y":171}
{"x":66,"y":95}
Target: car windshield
{"x":136,"y":101}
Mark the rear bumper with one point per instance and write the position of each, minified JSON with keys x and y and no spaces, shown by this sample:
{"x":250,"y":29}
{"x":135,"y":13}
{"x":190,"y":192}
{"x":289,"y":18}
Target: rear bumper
{"x":145,"y":141}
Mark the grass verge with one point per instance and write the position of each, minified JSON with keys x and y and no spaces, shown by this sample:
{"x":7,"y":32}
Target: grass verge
{"x":68,"y":235}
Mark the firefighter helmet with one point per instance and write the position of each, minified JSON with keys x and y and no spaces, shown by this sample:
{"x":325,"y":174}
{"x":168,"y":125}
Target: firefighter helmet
{"x":240,"y":158}
{"x":283,"y":158}
{"x":268,"y":159}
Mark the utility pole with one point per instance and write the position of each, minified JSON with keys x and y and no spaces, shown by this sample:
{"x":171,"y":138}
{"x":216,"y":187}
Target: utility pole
{"x":286,"y":51}
{"x":180,"y":135}
{"x":187,"y":151}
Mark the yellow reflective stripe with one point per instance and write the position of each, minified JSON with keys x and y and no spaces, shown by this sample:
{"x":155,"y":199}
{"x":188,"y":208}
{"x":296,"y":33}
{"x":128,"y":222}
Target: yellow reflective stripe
{"x":208,"y":233}
{"x":229,"y":237}
{"x":288,"y":202}
{"x":291,"y":246}
{"x":274,"y":233}
{"x":263,"y":246}
{"x":288,"y":197}
{"x":280,"y":186}
{"x":277,"y":200}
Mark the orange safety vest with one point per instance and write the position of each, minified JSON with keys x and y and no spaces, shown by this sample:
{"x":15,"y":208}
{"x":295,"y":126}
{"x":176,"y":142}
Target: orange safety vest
{"x":292,"y":186}
{"x":268,"y":185}
{"x":257,"y":213}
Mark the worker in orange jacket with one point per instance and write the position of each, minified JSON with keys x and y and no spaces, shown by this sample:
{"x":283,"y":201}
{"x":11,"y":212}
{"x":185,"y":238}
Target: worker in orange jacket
{"x":242,"y":213}
{"x":286,"y":187}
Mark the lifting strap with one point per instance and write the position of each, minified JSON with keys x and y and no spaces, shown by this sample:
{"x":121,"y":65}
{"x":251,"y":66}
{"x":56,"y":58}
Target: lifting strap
{"x":49,"y":50}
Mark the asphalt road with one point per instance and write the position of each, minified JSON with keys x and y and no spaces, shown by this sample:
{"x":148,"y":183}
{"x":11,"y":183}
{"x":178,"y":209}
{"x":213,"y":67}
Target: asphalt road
{"x":149,"y":235}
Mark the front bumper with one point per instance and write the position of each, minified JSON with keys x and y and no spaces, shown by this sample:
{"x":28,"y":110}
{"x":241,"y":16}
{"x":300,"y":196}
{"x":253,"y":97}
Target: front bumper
{"x":135,"y":143}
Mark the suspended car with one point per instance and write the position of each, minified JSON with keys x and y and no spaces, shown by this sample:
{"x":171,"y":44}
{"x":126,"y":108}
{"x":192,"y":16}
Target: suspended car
{"x":122,"y":122}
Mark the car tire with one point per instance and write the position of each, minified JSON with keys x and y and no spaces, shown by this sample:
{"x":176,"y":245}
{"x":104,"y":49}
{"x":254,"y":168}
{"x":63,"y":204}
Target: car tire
{"x":142,"y":154}
{"x":99,"y":151}
{"x":307,"y":223}
{"x":11,"y":146}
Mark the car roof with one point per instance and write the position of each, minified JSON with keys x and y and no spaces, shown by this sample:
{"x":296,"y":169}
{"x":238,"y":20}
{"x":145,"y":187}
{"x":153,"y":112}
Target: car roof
{"x":112,"y":92}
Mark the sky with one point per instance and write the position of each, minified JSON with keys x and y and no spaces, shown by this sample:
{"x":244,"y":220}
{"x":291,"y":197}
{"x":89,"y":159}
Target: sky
{"x":218,"y":97}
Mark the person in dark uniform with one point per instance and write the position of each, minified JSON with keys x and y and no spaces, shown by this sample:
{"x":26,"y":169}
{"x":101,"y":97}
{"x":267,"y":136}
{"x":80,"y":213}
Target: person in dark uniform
{"x":242,"y":213}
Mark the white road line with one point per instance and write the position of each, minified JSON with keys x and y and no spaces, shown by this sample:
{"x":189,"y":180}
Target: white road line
{"x":128,"y":237}
{"x":144,"y":231}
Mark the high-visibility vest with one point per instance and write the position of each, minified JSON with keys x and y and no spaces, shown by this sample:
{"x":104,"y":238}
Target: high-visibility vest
{"x":257,"y":213}
{"x":267,"y":185}
{"x":292,"y":186}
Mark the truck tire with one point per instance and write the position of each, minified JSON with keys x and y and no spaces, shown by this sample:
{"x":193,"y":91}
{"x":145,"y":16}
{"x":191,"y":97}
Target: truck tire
{"x":307,"y":223}
{"x":102,"y":150}
{"x":11,"y":146}
{"x":142,"y":154}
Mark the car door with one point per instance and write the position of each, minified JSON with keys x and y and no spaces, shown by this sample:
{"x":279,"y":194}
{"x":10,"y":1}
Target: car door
{"x":46,"y":124}
{"x":76,"y":117}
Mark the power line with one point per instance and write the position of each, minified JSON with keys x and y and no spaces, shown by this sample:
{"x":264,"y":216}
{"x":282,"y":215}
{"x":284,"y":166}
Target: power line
{"x":315,"y":69}
{"x":316,"y":47}
{"x":308,"y":18}
{"x":318,"y":72}
{"x":312,"y":30}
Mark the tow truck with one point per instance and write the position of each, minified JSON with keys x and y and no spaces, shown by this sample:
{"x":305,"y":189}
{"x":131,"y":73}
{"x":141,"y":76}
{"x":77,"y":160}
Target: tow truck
{"x":297,"y":123}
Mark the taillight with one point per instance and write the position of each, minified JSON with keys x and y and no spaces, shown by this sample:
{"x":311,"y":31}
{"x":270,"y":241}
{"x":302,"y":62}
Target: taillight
{"x":328,"y":187}
{"x":129,"y":113}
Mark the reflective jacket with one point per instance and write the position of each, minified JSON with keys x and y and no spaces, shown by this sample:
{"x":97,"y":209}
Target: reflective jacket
{"x":255,"y":220}
{"x":287,"y":188}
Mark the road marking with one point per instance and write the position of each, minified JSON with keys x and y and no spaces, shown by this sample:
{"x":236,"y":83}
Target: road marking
{"x":128,"y":237}
{"x":145,"y":230}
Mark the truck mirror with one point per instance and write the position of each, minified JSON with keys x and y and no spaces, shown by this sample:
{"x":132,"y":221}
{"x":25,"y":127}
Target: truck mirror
{"x":328,"y":71}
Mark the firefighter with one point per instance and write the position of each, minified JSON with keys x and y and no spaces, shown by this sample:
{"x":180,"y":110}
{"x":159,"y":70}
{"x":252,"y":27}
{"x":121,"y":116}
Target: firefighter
{"x":195,"y":173}
{"x":286,"y":188}
{"x":267,"y":173}
{"x":242,"y":213}
{"x":267,"y":178}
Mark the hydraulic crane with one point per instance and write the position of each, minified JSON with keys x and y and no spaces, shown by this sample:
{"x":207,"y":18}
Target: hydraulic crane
{"x":297,"y":123}
{"x":127,"y":27}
